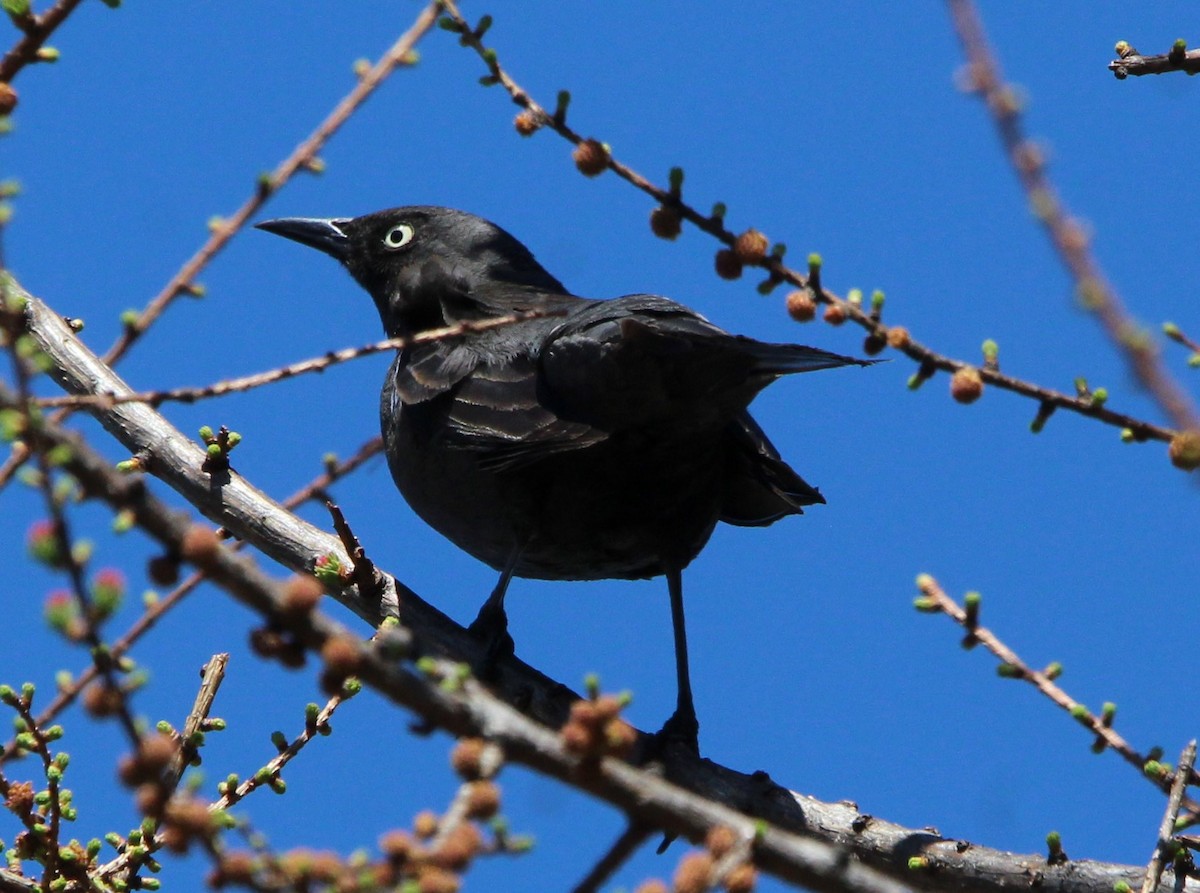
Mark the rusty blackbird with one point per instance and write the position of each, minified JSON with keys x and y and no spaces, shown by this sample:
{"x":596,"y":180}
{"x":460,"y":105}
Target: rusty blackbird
{"x":602,"y":442}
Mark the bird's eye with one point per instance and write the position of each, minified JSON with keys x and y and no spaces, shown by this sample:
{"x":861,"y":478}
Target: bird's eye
{"x":398,"y":236}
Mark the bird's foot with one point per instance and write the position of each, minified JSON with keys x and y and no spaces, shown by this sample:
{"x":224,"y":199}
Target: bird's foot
{"x":681,"y":730}
{"x":491,"y":627}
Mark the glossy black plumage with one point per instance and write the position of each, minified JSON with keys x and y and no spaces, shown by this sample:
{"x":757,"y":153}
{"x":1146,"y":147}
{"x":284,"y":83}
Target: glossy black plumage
{"x":605,"y":441}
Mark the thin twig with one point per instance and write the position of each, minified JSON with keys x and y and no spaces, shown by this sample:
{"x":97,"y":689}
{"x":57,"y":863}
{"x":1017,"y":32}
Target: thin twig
{"x":621,"y":851}
{"x":66,"y":696}
{"x":363,"y":573}
{"x":37,"y":31}
{"x":928,"y":360}
{"x":981,"y":635}
{"x":1183,"y":773}
{"x":1130,"y":63}
{"x":302,"y":157}
{"x":1096,"y":293}
{"x":315,"y":364}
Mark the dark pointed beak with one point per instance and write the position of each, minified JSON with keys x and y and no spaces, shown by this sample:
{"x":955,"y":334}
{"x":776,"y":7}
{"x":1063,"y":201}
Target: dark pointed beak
{"x":324,"y":235}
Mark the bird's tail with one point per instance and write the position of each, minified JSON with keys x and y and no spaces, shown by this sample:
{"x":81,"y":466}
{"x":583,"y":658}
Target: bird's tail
{"x":787,"y":359}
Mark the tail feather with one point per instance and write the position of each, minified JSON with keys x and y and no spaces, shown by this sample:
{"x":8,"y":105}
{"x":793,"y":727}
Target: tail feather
{"x":785,"y":359}
{"x":760,"y":488}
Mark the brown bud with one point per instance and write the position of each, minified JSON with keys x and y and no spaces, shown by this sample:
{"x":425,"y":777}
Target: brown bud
{"x":101,"y":699}
{"x":200,"y":545}
{"x":607,"y":707}
{"x":19,"y":798}
{"x":527,"y":123}
{"x":1184,"y":450}
{"x":741,"y":879}
{"x":835,"y":314}
{"x":619,"y":737}
{"x":235,"y":869}
{"x":693,"y":873}
{"x":652,"y":886}
{"x":591,"y":157}
{"x":301,"y":594}
{"x":665,"y":222}
{"x":150,"y":798}
{"x":483,"y":799}
{"x":720,"y":840}
{"x":466,"y":758}
{"x":577,"y":738}
{"x":425,"y":825}
{"x":436,"y":880}
{"x":340,"y":654}
{"x":156,"y":751}
{"x":397,"y":845}
{"x":874,"y":344}
{"x":459,"y":848}
{"x":751,"y":247}
{"x":163,"y":570}
{"x":728,"y":265}
{"x":584,"y":713}
{"x":966,"y":385}
{"x":800,"y":305}
{"x":898,"y":337}
{"x":8,"y":99}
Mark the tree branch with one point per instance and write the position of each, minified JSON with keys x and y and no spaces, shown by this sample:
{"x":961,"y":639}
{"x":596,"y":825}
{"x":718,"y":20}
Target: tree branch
{"x":807,"y":840}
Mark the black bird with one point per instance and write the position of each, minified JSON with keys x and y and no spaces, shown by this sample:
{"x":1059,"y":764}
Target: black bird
{"x":603,"y":442}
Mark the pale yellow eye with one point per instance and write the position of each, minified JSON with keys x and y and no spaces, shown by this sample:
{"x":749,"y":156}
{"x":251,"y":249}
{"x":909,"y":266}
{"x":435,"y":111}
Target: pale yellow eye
{"x":398,"y":236}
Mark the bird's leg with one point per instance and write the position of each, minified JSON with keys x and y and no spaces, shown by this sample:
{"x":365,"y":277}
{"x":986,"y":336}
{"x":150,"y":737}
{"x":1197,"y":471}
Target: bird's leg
{"x":491,"y":623}
{"x":683,"y":726}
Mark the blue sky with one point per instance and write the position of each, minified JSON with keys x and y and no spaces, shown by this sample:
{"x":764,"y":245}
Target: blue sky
{"x":834,"y":128}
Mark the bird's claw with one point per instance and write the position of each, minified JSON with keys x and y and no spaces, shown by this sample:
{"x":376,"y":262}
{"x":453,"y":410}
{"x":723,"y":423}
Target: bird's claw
{"x":681,"y":729}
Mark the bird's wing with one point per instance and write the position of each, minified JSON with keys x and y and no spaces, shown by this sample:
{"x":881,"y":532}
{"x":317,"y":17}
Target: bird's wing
{"x":760,"y":488}
{"x":640,"y":359}
{"x":496,"y":412}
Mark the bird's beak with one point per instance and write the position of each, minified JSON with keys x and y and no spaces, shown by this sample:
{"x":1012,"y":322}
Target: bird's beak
{"x":324,"y":235}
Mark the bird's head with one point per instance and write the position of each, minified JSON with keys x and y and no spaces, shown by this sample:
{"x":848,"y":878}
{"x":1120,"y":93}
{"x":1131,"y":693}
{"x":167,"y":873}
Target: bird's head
{"x":411,"y":259}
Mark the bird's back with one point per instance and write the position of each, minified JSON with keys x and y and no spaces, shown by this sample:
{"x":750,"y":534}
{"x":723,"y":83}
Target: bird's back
{"x":606,"y":443}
